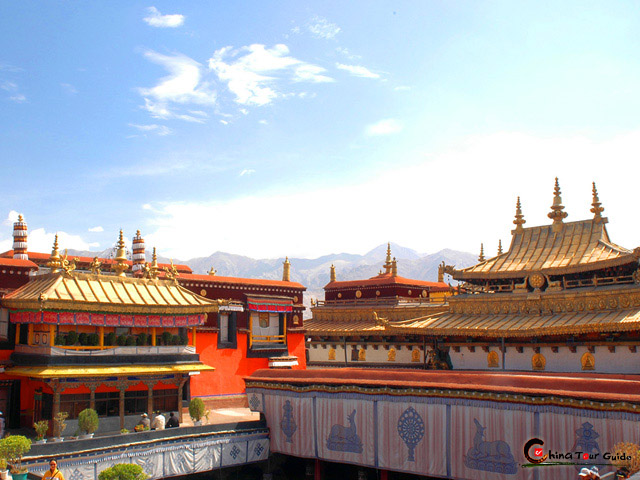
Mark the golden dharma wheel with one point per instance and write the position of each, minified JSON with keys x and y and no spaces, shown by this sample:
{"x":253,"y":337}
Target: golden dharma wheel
{"x":358,"y":293}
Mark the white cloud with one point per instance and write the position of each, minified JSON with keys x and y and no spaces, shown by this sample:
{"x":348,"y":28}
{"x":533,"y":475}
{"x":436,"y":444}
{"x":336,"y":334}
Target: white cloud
{"x":263,"y":122}
{"x":322,"y":28}
{"x":247,"y":171}
{"x":40,"y":240}
{"x":252,"y":72}
{"x":161,"y":130}
{"x":347,"y":53}
{"x":5,"y":67}
{"x":11,"y":218}
{"x":155,"y":19}
{"x":70,"y":89}
{"x":147,"y":206}
{"x":183,"y":86}
{"x":18,"y":98}
{"x":357,"y":70}
{"x":96,"y":229}
{"x":384,"y":127}
{"x":224,"y":122}
{"x":471,"y":208}
{"x":8,"y":86}
{"x":402,"y":88}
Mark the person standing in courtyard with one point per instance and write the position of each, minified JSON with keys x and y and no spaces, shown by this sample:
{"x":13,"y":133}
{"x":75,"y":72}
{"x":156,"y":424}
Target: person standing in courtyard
{"x":53,"y":473}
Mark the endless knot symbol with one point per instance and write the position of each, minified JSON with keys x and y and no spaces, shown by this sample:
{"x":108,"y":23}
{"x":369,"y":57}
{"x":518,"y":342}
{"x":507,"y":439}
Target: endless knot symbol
{"x":254,"y":402}
{"x":76,"y":475}
{"x":258,"y":450}
{"x":411,"y":430}
{"x":235,"y":451}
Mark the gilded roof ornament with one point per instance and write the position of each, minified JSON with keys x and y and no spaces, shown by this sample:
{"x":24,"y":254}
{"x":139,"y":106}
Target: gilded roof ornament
{"x":151,"y":270}
{"x":67,"y":266}
{"x":387,"y":262}
{"x":54,"y":260}
{"x":171,"y":273}
{"x":596,"y":207}
{"x":499,"y":246}
{"x":212,"y":272}
{"x":20,"y":218}
{"x":332,"y":273}
{"x":394,"y":267}
{"x":519,"y":221}
{"x":121,"y":258}
{"x":95,"y":266}
{"x":556,"y":214}
{"x":286,"y":270}
{"x":481,"y":256}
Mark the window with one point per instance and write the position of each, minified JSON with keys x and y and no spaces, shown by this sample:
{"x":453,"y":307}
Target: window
{"x":165,"y":400}
{"x":227,"y":322}
{"x":108,"y":404}
{"x":4,"y":324}
{"x":73,"y":404}
{"x":267,"y":329}
{"x":135,"y":402}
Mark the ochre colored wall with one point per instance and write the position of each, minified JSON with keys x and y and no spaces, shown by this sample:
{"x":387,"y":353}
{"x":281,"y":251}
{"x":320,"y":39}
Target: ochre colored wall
{"x":232,"y":364}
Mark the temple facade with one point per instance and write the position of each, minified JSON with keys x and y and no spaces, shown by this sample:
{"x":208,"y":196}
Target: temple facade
{"x":348,"y":327}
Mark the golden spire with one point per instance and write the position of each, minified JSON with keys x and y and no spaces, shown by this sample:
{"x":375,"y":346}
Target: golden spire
{"x":519,"y":221}
{"x":212,"y":272}
{"x":394,"y":267}
{"x":286,"y":270}
{"x":481,"y":256}
{"x":151,"y":270}
{"x":557,"y":214}
{"x":387,"y":262}
{"x":332,"y":273}
{"x":54,"y":262}
{"x":121,"y":258}
{"x":596,"y":209}
{"x":499,"y":246}
{"x":20,"y":219}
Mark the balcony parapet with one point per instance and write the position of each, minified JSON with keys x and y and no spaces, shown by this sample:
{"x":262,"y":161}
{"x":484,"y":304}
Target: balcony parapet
{"x":105,"y":351}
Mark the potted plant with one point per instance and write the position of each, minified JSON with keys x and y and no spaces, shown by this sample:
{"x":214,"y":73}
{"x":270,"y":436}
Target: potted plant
{"x":88,"y":422}
{"x":41,"y":428}
{"x":4,"y":473}
{"x":196,"y":410}
{"x":12,"y":449}
{"x":60,"y":425}
{"x":124,"y":431}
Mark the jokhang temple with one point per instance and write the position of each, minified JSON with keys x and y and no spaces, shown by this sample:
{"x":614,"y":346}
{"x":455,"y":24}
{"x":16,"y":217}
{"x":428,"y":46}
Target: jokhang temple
{"x":540,"y":341}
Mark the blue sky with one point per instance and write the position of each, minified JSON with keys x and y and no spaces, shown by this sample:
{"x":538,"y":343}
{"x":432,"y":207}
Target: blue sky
{"x":305,"y":128}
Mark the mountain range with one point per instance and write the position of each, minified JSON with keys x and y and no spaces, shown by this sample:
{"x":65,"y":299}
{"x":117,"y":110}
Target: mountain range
{"x":314,"y":273}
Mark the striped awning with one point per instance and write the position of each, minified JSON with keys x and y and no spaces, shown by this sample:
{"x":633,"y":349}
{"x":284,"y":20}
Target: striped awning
{"x":106,"y":319}
{"x":270,"y":304}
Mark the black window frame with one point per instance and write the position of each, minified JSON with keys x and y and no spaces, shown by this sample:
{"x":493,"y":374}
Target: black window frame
{"x":232,"y":337}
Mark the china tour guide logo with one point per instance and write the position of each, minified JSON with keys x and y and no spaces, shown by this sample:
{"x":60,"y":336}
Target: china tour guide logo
{"x":536,"y":456}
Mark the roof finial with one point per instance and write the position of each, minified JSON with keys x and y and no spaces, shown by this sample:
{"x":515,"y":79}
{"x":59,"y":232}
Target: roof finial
{"x":596,"y":209}
{"x":121,"y":258}
{"x":394,"y":267}
{"x":20,"y":239}
{"x":138,"y":255}
{"x":212,"y":271}
{"x":54,"y":262}
{"x":387,"y":261}
{"x":151,"y":270}
{"x":481,"y":256}
{"x":519,"y":221}
{"x":286,"y":270}
{"x":499,"y":246}
{"x":332,"y":273}
{"x":557,"y":214}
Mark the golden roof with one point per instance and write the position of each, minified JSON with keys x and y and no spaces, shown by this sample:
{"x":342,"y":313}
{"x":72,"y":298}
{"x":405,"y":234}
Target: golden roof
{"x":107,"y":293}
{"x":62,"y":371}
{"x":578,"y":247}
{"x":489,"y":325}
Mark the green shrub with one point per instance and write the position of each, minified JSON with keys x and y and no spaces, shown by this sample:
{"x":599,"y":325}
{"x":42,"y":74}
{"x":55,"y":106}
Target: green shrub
{"x":166,"y":338}
{"x":142,"y":339}
{"x":122,"y":340}
{"x":88,"y":420}
{"x":123,"y":471}
{"x":12,"y":449}
{"x":175,"y":340}
{"x":41,"y":428}
{"x":196,"y":409}
{"x":184,"y":339}
{"x":94,"y":339}
{"x":61,"y":339}
{"x":83,"y":338}
{"x":131,"y":341}
{"x":72,"y":337}
{"x":110,"y":339}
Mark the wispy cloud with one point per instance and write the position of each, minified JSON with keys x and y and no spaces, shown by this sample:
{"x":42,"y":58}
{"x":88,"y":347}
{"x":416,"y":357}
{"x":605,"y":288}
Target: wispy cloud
{"x":384,"y":127}
{"x":252,"y":72}
{"x":402,"y":88}
{"x":96,"y":229}
{"x":5,"y":67}
{"x":357,"y":70}
{"x":322,"y":28}
{"x":155,"y":19}
{"x":347,"y":53}
{"x":183,"y":86}
{"x":247,"y":171}
{"x":18,"y":98}
{"x":70,"y":89}
{"x":161,"y":130}
{"x":41,"y":241}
